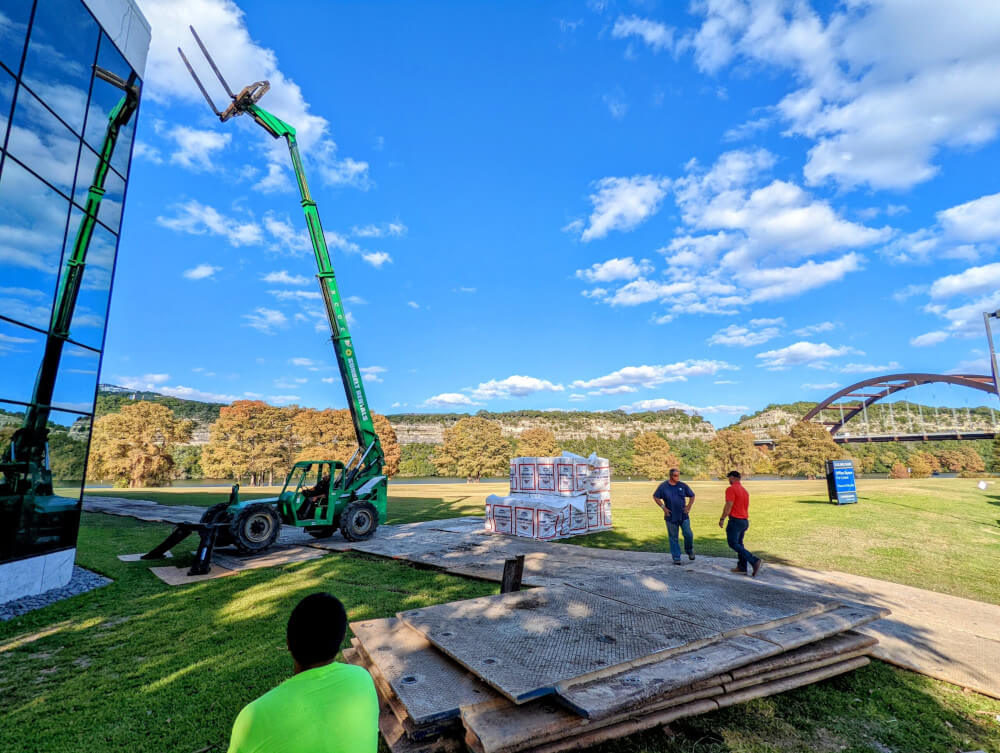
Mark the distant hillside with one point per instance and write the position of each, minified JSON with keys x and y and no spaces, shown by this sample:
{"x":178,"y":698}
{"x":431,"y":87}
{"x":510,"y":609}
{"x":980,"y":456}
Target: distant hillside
{"x":110,"y":399}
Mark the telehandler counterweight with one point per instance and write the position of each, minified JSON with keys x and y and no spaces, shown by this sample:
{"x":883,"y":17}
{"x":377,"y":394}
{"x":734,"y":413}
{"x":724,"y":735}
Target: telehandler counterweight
{"x":319,"y":495}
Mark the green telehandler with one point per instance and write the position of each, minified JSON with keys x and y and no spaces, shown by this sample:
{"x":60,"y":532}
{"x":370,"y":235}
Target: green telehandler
{"x":32,"y":517}
{"x":320,"y":496}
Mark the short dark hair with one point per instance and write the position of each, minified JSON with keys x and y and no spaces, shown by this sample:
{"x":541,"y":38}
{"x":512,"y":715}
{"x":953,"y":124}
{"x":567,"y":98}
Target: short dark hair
{"x":673,"y":471}
{"x":316,"y":628}
{"x":733,"y":474}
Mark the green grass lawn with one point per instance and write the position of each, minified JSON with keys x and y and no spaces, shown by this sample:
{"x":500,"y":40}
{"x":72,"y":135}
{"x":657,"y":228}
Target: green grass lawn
{"x":940,"y":534}
{"x":140,"y":666}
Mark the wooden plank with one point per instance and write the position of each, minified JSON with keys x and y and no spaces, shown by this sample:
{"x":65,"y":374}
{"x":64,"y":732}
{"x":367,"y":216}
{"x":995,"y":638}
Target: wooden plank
{"x":817,"y":627}
{"x":399,"y":742}
{"x":838,"y":644}
{"x":525,"y":644}
{"x":789,"y":683}
{"x":795,"y":669}
{"x":426,"y":683}
{"x":513,"y":571}
{"x":635,"y":688}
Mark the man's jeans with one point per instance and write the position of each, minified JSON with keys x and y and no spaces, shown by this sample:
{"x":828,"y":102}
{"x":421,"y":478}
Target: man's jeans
{"x":735,"y":530}
{"x":675,"y":546}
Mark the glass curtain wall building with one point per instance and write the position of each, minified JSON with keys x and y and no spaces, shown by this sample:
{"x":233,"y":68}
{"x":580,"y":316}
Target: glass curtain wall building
{"x":55,"y":113}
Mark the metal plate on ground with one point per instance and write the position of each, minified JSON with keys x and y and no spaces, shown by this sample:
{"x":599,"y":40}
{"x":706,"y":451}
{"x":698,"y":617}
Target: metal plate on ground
{"x":430,"y":685}
{"x":524,"y":644}
{"x":817,"y":627}
{"x":637,"y":687}
{"x":722,"y":604}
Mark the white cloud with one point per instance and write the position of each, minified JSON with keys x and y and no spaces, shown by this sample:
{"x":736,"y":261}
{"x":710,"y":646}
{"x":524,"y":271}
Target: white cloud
{"x":201,"y":272}
{"x":196,"y":148}
{"x":281,"y":277}
{"x":266,"y":320}
{"x":144,"y":151}
{"x":826,"y":387}
{"x":973,"y":281}
{"x":882,"y":86}
{"x":744,"y":337}
{"x":801,"y":354}
{"x":158,"y":383}
{"x":413,"y":304}
{"x":631,"y":377}
{"x":283,"y":399}
{"x":373,"y":373}
{"x":928,"y":338}
{"x":725,"y":381}
{"x":296,"y":295}
{"x":513,"y":386}
{"x":658,"y":36}
{"x":355,"y":300}
{"x":623,"y":203}
{"x":386,"y":229}
{"x":870,"y":368}
{"x":448,"y":400}
{"x":974,"y":221}
{"x":616,"y":104}
{"x":615,"y":269}
{"x":660,"y":403}
{"x":195,"y":218}
{"x":276,"y":180}
{"x":577,"y":398}
{"x":222,"y":27}
{"x":815,"y":329}
{"x":302,"y":362}
{"x":377,"y":258}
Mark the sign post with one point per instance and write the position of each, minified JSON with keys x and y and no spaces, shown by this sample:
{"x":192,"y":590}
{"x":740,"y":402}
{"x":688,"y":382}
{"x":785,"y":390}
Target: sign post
{"x":840,"y":482}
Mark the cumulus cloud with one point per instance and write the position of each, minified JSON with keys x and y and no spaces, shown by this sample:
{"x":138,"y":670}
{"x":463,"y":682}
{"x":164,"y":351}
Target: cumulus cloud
{"x":870,"y":368}
{"x":201,"y":272}
{"x":266,"y":320}
{"x":195,"y":218}
{"x":449,"y":400}
{"x":282,"y":277}
{"x":660,"y":403}
{"x":615,"y":269}
{"x":629,"y":378}
{"x":513,"y":386}
{"x":622,"y":204}
{"x":802,"y":353}
{"x":377,"y":258}
{"x":658,"y":36}
{"x":195,"y":148}
{"x":757,"y":332}
{"x":373,"y":373}
{"x":929,"y":338}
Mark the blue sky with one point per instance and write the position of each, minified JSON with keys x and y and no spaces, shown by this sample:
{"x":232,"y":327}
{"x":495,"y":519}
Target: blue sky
{"x":567,"y":205}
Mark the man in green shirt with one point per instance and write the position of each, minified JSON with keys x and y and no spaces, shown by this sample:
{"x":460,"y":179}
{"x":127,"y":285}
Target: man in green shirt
{"x":325,"y":706}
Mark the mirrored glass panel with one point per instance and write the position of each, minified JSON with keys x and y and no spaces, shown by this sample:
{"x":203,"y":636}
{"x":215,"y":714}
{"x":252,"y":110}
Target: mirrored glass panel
{"x":21,"y":352}
{"x":32,"y":229}
{"x":110,"y":212}
{"x":77,"y":379}
{"x":60,"y":58}
{"x":103,"y":99}
{"x":14,"y":16}
{"x":6,"y":100}
{"x":87,"y":325}
{"x":42,"y":143}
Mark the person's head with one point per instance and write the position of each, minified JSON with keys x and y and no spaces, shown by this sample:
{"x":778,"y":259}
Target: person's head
{"x":734,"y":477}
{"x":674,"y":475}
{"x":316,"y":628}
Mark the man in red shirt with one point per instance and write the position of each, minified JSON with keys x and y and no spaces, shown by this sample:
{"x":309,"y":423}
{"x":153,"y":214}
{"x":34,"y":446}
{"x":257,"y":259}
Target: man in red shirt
{"x":737,"y":509}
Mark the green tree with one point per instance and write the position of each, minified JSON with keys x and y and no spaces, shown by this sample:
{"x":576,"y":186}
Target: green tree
{"x":474,"y":447}
{"x":693,"y":454}
{"x":187,"y":461}
{"x":732,"y":450}
{"x":805,"y":450}
{"x":653,"y":458}
{"x":995,"y":459}
{"x":537,"y":443}
{"x":417,"y":460}
{"x":67,"y":456}
{"x":132,"y":447}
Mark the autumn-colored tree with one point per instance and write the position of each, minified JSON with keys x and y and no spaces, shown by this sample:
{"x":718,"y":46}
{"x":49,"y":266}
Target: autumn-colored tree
{"x":899,"y":471}
{"x":804,"y":451}
{"x":132,"y":447}
{"x":329,"y":435}
{"x":652,"y":456}
{"x":995,"y":456}
{"x":537,"y":443}
{"x":733,"y":450}
{"x":952,"y":460}
{"x":474,"y":447}
{"x":250,"y":439}
{"x":922,"y":464}
{"x":972,"y":460}
{"x":764,"y":464}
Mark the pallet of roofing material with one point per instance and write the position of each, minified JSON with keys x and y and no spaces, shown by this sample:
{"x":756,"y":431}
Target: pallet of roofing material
{"x":566,"y":475}
{"x":544,"y":517}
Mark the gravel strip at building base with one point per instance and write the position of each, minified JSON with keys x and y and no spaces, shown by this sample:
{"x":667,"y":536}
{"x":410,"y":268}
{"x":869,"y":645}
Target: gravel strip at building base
{"x":81,"y":582}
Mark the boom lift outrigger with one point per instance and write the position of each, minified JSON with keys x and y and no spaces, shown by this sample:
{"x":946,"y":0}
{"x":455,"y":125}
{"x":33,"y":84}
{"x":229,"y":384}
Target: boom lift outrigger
{"x":350,"y":496}
{"x":30,"y":513}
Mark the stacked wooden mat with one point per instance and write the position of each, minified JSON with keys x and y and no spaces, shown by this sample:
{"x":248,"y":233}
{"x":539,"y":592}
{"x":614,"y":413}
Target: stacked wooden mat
{"x":566,"y":667}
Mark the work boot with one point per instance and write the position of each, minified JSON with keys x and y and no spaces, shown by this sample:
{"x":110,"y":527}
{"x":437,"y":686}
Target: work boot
{"x":757,"y":566}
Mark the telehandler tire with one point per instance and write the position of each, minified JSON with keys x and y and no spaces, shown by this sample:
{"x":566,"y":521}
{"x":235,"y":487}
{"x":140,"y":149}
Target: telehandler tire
{"x":217,"y":514}
{"x":358,"y":521}
{"x":255,"y":528}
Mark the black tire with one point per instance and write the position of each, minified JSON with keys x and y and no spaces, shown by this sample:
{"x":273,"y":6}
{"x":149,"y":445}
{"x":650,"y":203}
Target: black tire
{"x":218,"y":514}
{"x":255,"y":528}
{"x":321,"y":532}
{"x":358,"y":521}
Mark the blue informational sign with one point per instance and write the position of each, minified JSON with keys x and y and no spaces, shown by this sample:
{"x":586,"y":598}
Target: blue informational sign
{"x":840,"y":482}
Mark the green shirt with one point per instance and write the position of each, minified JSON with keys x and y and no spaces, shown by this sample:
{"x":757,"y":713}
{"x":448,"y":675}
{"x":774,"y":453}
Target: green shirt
{"x":330,"y":709}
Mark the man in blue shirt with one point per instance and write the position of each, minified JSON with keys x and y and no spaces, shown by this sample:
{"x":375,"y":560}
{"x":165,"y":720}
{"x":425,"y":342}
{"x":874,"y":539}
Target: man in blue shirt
{"x":675,"y":498}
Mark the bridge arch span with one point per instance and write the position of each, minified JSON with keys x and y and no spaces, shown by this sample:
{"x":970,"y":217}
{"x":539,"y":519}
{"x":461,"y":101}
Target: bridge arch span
{"x":881,"y":387}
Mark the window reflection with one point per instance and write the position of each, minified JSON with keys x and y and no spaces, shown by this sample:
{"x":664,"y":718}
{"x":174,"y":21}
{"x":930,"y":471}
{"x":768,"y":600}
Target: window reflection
{"x":91,"y":311}
{"x":40,"y":141}
{"x":103,"y":99}
{"x":6,"y":99}
{"x":61,"y":53}
{"x":14,"y":16}
{"x":110,"y":212}
{"x":77,"y":380}
{"x":20,"y":354}
{"x":32,"y":229}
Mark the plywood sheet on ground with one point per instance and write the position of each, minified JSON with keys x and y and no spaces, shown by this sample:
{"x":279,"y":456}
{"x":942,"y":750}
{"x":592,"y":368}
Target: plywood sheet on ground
{"x":430,"y":686}
{"x":524,"y":644}
{"x":224,"y":564}
{"x":722,"y":604}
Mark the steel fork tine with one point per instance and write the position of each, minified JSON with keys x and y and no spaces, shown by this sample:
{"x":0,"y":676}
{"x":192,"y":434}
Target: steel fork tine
{"x":198,"y":81}
{"x":212,"y":63}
